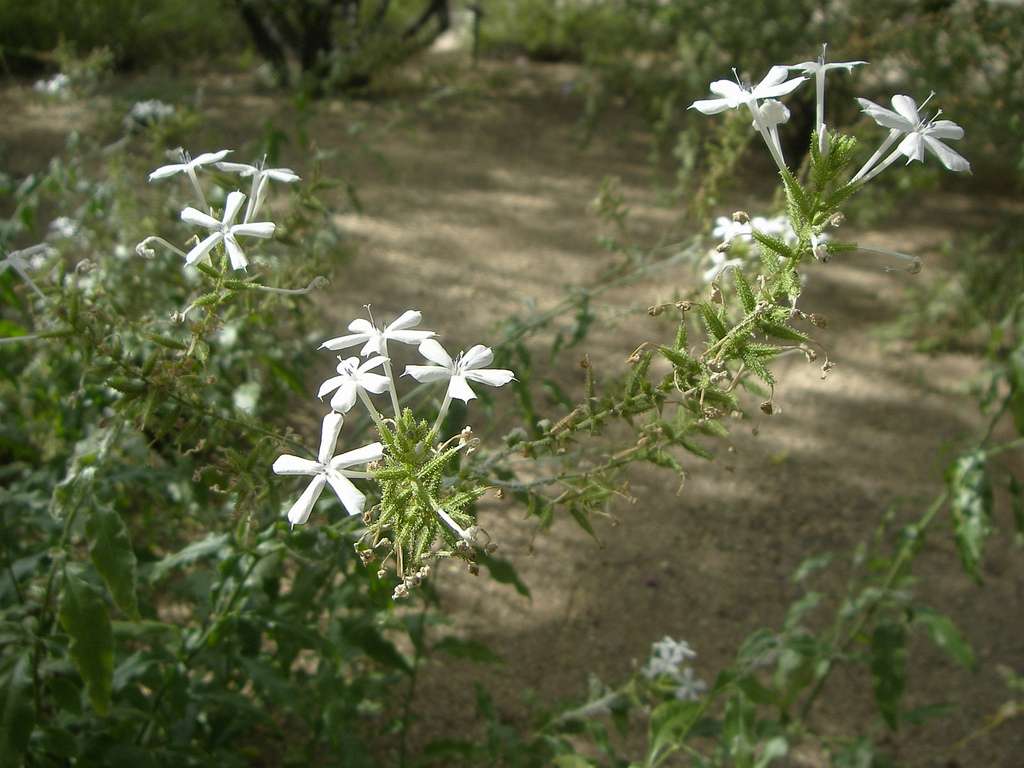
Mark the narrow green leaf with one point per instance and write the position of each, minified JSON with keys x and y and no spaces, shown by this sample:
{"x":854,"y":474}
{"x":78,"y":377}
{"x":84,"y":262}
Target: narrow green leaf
{"x":110,"y":548}
{"x":944,"y":634}
{"x":194,"y":551}
{"x":888,"y":669}
{"x":374,"y":645}
{"x":504,"y":572}
{"x":83,"y":615}
{"x":670,"y":722}
{"x":465,"y":648}
{"x":581,"y":518}
{"x":19,"y":714}
{"x":971,"y":507}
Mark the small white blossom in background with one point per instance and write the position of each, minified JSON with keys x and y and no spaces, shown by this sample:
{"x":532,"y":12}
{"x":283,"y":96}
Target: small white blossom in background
{"x":58,"y":85}
{"x":145,"y":113}
{"x":188,"y":166}
{"x":328,"y":468}
{"x":668,"y":659}
{"x":719,"y":265}
{"x":63,"y":227}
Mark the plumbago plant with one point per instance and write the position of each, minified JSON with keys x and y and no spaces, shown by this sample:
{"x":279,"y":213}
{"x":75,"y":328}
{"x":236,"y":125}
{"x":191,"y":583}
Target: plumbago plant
{"x":762,"y":709}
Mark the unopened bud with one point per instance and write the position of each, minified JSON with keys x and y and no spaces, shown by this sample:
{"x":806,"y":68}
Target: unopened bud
{"x":836,"y":219}
{"x":684,"y":306}
{"x":473,"y":568}
{"x":741,"y":217}
{"x":767,"y":408}
{"x":716,"y":294}
{"x":723,"y":247}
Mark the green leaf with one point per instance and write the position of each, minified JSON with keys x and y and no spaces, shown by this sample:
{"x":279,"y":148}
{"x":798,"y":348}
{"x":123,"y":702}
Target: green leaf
{"x":581,"y":518}
{"x":810,"y":565}
{"x":111,"y":551}
{"x":194,"y":551}
{"x":888,"y":669}
{"x":83,"y":615}
{"x":670,"y":722}
{"x":503,"y":572}
{"x":374,"y":645}
{"x":464,"y":648}
{"x":971,"y":506}
{"x":19,"y":714}
{"x":944,"y":634}
{"x":744,"y":291}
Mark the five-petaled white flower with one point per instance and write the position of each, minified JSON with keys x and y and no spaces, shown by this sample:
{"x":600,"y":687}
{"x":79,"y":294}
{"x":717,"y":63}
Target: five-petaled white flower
{"x":18,"y":261}
{"x":374,"y":339}
{"x":225,"y":230}
{"x":735,"y":94}
{"x":819,"y":68}
{"x":352,"y":381}
{"x":918,"y":135}
{"x":470,"y":366}
{"x":260,"y":178}
{"x":188,"y":166}
{"x":328,"y":469}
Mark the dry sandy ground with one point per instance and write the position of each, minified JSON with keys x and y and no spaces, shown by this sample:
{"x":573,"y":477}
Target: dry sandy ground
{"x":475,"y":206}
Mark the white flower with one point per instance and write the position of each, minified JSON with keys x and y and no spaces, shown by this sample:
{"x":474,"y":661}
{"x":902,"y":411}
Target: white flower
{"x":147,"y":112}
{"x":918,"y":135}
{"x":719,"y":265}
{"x":374,"y":339}
{"x":353,"y":380}
{"x":734,"y":94}
{"x":19,"y":261}
{"x":690,"y":687}
{"x":63,"y":227}
{"x":328,"y":470}
{"x":188,"y":164}
{"x":470,"y":366}
{"x":667,"y":655}
{"x":818,"y":69}
{"x":225,"y":230}
{"x":260,"y":178}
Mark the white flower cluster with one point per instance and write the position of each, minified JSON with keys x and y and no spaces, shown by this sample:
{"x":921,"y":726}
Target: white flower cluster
{"x":729,"y":228}
{"x":667,"y":660}
{"x":904,"y":120}
{"x":357,"y":380}
{"x":227,"y":230}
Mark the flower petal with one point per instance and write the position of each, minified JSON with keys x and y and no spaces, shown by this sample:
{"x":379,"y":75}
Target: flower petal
{"x":166,"y":170}
{"x":459,"y":389}
{"x":907,"y":107}
{"x":409,"y":337}
{"x":199,"y":219}
{"x":203,"y":248}
{"x":361,"y":325}
{"x":238,"y":260}
{"x":775,"y":76}
{"x":359,"y":456}
{"x":408,"y":319}
{"x":477,"y":357}
{"x":492,"y":377}
{"x":713,"y":106}
{"x":428,"y":373}
{"x":350,"y":497}
{"x":369,"y":365}
{"x":774,"y":91}
{"x":950,"y":158}
{"x":345,"y":397}
{"x":435,"y":353}
{"x":727,"y":89}
{"x":232,"y":206}
{"x":945,"y":129}
{"x":210,"y":157}
{"x":329,"y":432}
{"x":330,"y":385}
{"x":242,"y":169}
{"x":287,"y":464}
{"x":374,"y":382}
{"x":912,"y":147}
{"x":885,"y":117}
{"x":287,"y":175}
{"x":344,"y":342}
{"x":299,"y":513}
{"x":261,"y":229}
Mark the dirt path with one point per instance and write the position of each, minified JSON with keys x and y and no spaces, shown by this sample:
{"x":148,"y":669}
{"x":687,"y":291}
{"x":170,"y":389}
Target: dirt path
{"x":480,"y":209}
